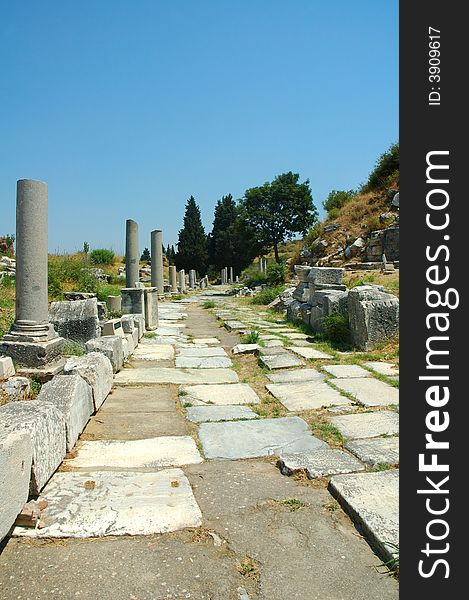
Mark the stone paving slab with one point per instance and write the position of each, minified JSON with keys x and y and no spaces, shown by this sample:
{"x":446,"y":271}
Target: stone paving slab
{"x":177,"y":376}
{"x":119,"y":425}
{"x":235,"y":440}
{"x":150,"y":453}
{"x":297,"y":336}
{"x":306,"y":395}
{"x":369,"y":391}
{"x":383,"y":368}
{"x":367,"y":425}
{"x":346,"y":371}
{"x":245,"y":348}
{"x":202,"y":352}
{"x":200,"y":414}
{"x":280,"y":361}
{"x":372,"y":501}
{"x":203,"y":362}
{"x":296,"y":375}
{"x":272,"y":351}
{"x":220,"y":395}
{"x":310,"y":353}
{"x":168,"y":331}
{"x":376,"y":450}
{"x":209,"y":341}
{"x":82,"y":505}
{"x":153,"y":352}
{"x":273,"y":343}
{"x":235,"y":326}
{"x":319,"y":463}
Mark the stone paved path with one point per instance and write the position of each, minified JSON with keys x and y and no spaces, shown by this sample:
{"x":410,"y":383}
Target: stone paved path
{"x":146,"y":508}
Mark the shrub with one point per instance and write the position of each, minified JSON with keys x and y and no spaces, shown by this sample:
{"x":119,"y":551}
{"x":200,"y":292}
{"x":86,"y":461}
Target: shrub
{"x":209,"y":304}
{"x":336,"y":329}
{"x":385,"y":170}
{"x":251,"y":338}
{"x":276,"y":274}
{"x":333,"y":213}
{"x":336,"y":199}
{"x":70,"y":272}
{"x":102,"y":256}
{"x":268,"y":295}
{"x":251,"y":276}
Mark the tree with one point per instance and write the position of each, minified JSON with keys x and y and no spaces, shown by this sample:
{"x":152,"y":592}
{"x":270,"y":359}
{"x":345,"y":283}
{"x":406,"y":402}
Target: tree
{"x":146,"y":255}
{"x":278,"y":210}
{"x":337,"y":199}
{"x":192,"y":242}
{"x":386,"y":168}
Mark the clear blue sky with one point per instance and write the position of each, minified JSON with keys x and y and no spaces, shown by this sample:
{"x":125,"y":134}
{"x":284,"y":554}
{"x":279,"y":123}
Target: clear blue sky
{"x":127,"y":107}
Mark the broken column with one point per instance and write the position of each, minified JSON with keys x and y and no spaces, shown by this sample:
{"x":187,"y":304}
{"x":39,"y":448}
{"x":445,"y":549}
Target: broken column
{"x":182,"y":281}
{"x":132,"y":255}
{"x":151,"y":307}
{"x":32,"y":340}
{"x":173,"y":278}
{"x":192,"y":276}
{"x":157,"y":260}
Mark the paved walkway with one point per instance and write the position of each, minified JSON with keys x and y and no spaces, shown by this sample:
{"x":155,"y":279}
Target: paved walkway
{"x":178,"y":487}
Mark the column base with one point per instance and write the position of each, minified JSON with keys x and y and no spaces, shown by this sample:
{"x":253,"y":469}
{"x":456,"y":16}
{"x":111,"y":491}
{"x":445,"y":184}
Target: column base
{"x":33,"y":354}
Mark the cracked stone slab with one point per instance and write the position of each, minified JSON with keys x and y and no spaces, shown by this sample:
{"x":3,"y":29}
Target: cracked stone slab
{"x":156,"y":375}
{"x":376,"y":450}
{"x":372,"y":501}
{"x":346,"y":371}
{"x":202,"y":352}
{"x":310,"y":353}
{"x":153,"y":352}
{"x":235,"y":440}
{"x":99,"y":504}
{"x":280,"y":361}
{"x":203,"y":362}
{"x":306,"y":395}
{"x":200,"y":414}
{"x":296,"y":375}
{"x":383,"y":368}
{"x":367,"y":425}
{"x":319,"y":463}
{"x":218,"y":394}
{"x":150,"y":453}
{"x":369,"y":391}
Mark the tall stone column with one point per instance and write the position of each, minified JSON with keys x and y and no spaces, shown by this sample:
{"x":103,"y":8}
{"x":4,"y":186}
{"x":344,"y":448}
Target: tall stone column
{"x":157,"y":260}
{"x":231,"y":275}
{"x":32,"y":340}
{"x":132,"y":254}
{"x":173,"y":278}
{"x":182,"y":281}
{"x":192,"y":277}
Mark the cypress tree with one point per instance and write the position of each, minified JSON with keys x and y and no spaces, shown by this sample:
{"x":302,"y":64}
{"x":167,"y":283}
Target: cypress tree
{"x":192,"y":242}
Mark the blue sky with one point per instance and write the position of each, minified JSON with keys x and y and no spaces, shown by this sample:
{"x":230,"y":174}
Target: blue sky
{"x":127,"y":107}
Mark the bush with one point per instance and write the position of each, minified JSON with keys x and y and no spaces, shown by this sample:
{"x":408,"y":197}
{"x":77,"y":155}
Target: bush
{"x":336,"y":329}
{"x":102,"y":256}
{"x":268,"y":295}
{"x":70,"y":273}
{"x":336,"y":199}
{"x":333,"y":213}
{"x":313,"y":234}
{"x":251,"y":276}
{"x":276,"y":274}
{"x":209,"y":304}
{"x":387,"y":167}
{"x":251,"y":338}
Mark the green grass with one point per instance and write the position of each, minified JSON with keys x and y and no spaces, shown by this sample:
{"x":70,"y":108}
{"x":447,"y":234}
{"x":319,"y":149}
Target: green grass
{"x":293,"y":504}
{"x":267,"y":295}
{"x":251,"y":338}
{"x":325,"y":430}
{"x":208,"y":304}
{"x":73,"y":349}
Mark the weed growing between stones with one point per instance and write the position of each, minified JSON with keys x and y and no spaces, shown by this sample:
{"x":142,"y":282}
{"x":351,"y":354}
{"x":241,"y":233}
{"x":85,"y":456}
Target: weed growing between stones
{"x":208,"y":304}
{"x":293,"y":504}
{"x":248,"y":567}
{"x":251,"y":338}
{"x":324,"y":430}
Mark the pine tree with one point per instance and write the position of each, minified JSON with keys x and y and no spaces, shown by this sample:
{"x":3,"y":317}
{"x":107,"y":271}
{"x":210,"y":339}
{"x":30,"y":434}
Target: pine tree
{"x":192,"y":243}
{"x":146,"y":255}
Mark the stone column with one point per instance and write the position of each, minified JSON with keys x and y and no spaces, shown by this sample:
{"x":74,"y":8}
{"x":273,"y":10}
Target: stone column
{"x":182,"y":281}
{"x":132,"y":255}
{"x":231,"y":275}
{"x":173,"y":278}
{"x":157,"y":260}
{"x":32,"y":340}
{"x":192,"y":278}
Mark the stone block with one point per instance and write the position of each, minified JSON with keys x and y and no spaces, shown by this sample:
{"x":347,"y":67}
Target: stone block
{"x":74,"y":398}
{"x":16,"y":455}
{"x":133,"y":301}
{"x":46,"y":427}
{"x":151,"y":308}
{"x":369,"y":391}
{"x":6,"y":367}
{"x":16,"y":388}
{"x":96,"y":370}
{"x":76,"y":320}
{"x":112,"y":327}
{"x":245,"y":348}
{"x":129,"y":338}
{"x":114,"y":304}
{"x":128,"y":323}
{"x":367,"y":425}
{"x":301,"y":292}
{"x":373,"y":316}
{"x":139,"y":322}
{"x":375,"y":451}
{"x":319,"y":463}
{"x":325,"y":275}
{"x":293,"y":311}
{"x":112,"y":347}
{"x":302,"y":272}
{"x":33,"y":354}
